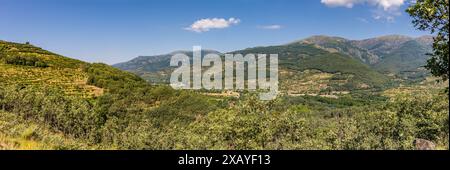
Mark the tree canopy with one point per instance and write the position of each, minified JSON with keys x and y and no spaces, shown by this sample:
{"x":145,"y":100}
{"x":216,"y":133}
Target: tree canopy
{"x":432,"y":15}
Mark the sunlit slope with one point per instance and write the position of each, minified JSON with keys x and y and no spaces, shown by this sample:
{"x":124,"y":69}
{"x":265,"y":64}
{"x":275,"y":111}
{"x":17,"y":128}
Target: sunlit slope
{"x":30,"y":66}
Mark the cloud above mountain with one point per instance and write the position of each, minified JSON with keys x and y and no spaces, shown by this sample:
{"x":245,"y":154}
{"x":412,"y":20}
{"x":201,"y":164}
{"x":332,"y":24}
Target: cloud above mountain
{"x":204,"y":25}
{"x":385,"y":4}
{"x":385,"y":10}
{"x":270,"y":27}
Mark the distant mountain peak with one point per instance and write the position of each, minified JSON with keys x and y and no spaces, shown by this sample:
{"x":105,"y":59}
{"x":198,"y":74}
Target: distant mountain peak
{"x":426,"y":39}
{"x":157,"y":62}
{"x":394,"y":37}
{"x":204,"y":51}
{"x":385,"y":44}
{"x":319,"y":39}
{"x":324,"y":38}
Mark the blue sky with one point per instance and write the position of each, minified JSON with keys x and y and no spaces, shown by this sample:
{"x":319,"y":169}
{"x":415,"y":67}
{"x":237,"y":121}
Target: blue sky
{"x":112,"y":31}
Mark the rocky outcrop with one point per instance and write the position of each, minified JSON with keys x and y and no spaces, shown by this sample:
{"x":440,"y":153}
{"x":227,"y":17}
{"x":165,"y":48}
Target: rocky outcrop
{"x":422,"y":144}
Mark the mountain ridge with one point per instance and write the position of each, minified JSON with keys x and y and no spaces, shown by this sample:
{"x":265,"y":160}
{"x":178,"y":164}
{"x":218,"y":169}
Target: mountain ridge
{"x":389,"y":54}
{"x":156,"y":68}
{"x":359,"y":49}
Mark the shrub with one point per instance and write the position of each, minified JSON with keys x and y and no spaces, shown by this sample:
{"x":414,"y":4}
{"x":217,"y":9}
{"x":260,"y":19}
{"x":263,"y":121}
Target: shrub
{"x":25,"y":61}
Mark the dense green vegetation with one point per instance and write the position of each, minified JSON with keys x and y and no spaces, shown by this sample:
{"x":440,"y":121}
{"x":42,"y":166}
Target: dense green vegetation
{"x":98,"y":121}
{"x":25,"y":61}
{"x":102,"y":75}
{"x":254,"y":125}
{"x":402,"y":56}
{"x":186,"y":123}
{"x":17,"y":51}
{"x":300,"y":57}
{"x":433,"y":16}
{"x":17,"y":133}
{"x":335,"y":94}
{"x":39,"y":109}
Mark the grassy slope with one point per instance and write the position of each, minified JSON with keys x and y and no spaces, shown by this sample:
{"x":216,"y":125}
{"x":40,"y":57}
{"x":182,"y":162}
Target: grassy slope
{"x":61,"y":72}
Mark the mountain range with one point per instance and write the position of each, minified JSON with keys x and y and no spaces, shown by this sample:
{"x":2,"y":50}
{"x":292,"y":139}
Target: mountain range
{"x":337,"y":62}
{"x":313,"y":66}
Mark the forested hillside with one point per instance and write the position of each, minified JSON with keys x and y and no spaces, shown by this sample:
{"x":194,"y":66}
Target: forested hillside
{"x":398,"y":55}
{"x":48,"y":101}
{"x":345,"y":73}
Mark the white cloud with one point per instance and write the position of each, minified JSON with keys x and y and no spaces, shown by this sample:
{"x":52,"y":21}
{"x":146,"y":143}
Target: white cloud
{"x":385,"y":9}
{"x":389,"y":4}
{"x":207,"y":24}
{"x":385,"y":4}
{"x":385,"y":16}
{"x":270,"y":27}
{"x":337,"y":3}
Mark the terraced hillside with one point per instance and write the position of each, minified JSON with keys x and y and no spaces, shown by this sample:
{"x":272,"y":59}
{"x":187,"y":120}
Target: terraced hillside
{"x":48,"y":101}
{"x":27,"y":65}
{"x":53,"y":83}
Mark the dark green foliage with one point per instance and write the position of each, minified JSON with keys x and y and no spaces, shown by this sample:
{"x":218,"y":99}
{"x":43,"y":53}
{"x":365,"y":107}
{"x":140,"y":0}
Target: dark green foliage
{"x":433,"y":16}
{"x":105,"y":120}
{"x":185,"y":108}
{"x":253,"y":125}
{"x":2,"y":55}
{"x":25,"y":61}
{"x":71,"y":115}
{"x":104,"y":76}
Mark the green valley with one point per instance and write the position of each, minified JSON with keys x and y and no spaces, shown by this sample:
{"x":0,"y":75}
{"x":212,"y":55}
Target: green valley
{"x":329,"y":100}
